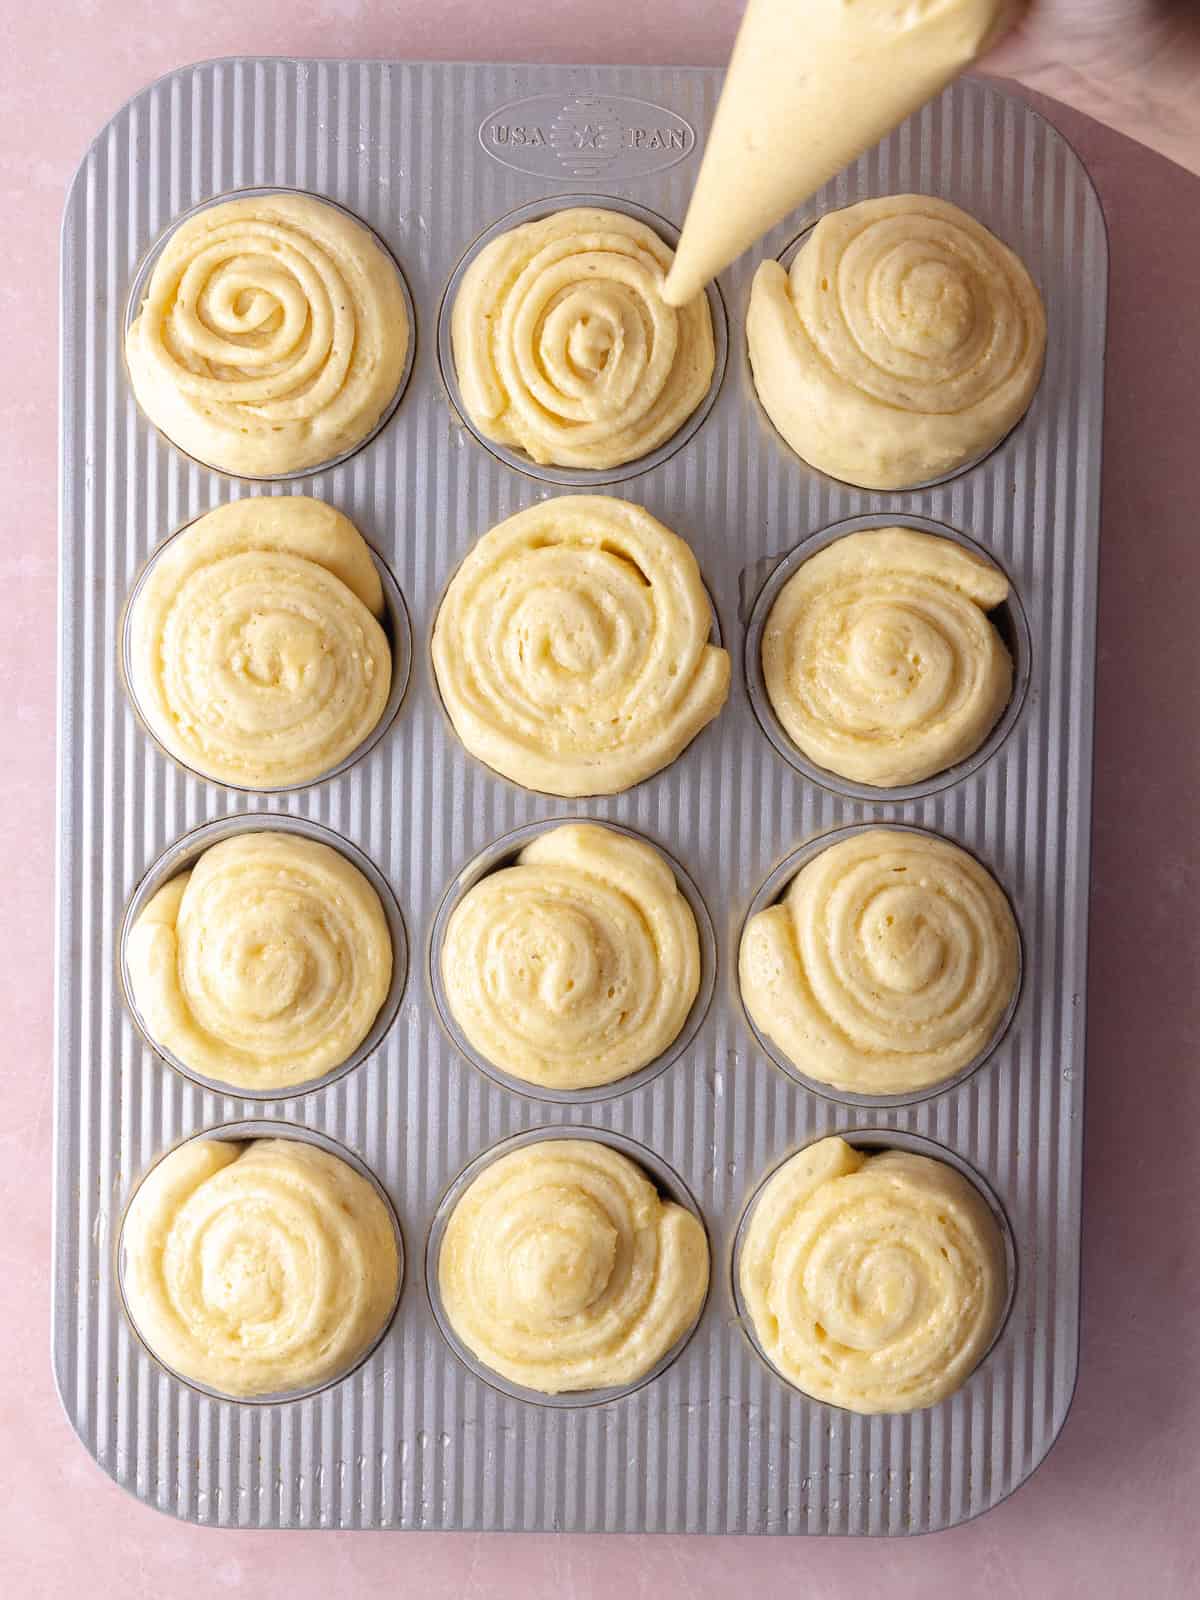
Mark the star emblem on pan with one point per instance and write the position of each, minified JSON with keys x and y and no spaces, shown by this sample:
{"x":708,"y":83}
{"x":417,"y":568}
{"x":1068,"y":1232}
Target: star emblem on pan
{"x":586,"y":136}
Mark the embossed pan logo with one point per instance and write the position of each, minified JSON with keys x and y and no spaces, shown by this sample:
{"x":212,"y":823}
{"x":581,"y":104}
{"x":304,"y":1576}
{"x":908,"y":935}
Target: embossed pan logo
{"x":588,"y":136}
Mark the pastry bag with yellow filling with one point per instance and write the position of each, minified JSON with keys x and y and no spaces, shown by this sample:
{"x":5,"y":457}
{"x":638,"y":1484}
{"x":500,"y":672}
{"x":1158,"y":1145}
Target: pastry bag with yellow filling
{"x":811,"y":85}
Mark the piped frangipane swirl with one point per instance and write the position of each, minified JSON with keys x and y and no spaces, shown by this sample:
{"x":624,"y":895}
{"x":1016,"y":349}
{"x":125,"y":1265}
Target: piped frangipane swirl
{"x":256,"y":654}
{"x":905,"y":342}
{"x":572,"y":647}
{"x":258,"y":1268}
{"x":564,"y":348}
{"x":873,"y":1282}
{"x":562,"y":1268}
{"x":578,"y":964}
{"x":887,"y":966}
{"x":272,"y":336}
{"x":880,"y":660}
{"x":263,"y":966}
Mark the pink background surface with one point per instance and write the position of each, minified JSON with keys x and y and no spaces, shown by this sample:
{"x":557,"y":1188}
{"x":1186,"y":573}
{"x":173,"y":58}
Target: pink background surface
{"x":1113,"y":1511}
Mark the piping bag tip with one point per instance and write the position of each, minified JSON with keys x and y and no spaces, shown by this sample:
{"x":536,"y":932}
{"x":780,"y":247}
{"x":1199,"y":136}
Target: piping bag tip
{"x":678,"y":290}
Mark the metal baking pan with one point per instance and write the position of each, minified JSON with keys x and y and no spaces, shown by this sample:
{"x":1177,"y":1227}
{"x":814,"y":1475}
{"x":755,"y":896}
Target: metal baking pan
{"x":433,"y":156}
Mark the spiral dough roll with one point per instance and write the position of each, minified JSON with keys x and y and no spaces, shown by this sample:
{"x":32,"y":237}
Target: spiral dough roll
{"x":876,"y":1283}
{"x":571,"y":648}
{"x":562,"y":1269}
{"x":564,"y":347}
{"x":578,"y":964}
{"x":887,"y":966}
{"x":258,"y":1268}
{"x":879,"y":658}
{"x":905,"y":342}
{"x":265,"y":965}
{"x":256,"y":654}
{"x":272,"y":337}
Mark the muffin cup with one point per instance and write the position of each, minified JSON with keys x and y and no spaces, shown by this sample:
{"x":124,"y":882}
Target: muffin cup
{"x":396,"y":626}
{"x":785,"y":259}
{"x":578,"y":477}
{"x":503,"y":854}
{"x":772,"y":891}
{"x":243,"y":1133}
{"x":875,"y":1141}
{"x":182,"y":855}
{"x":669,"y":1185}
{"x":137,"y":292}
{"x":1008,"y":618}
{"x":715,"y":636}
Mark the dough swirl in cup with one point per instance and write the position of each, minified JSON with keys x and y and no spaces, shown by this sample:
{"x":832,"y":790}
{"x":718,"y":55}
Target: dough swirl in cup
{"x":256,"y":655}
{"x":873,"y":1282}
{"x":564,"y":348}
{"x":272,"y":336}
{"x":561,"y":1268}
{"x":887,"y":966}
{"x":879,"y":658}
{"x":258,"y":1268}
{"x":571,"y":648}
{"x":263,"y":966}
{"x":578,"y":964}
{"x":904,"y":343}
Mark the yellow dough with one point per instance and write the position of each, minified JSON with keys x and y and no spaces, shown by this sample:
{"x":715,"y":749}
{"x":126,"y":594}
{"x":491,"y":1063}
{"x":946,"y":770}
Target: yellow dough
{"x":905,"y":342}
{"x":564,"y":347}
{"x":876,"y":1283}
{"x":256,"y":656}
{"x":886,"y":967}
{"x":272,"y":337}
{"x":578,"y":964}
{"x":265,"y":965}
{"x":562,"y":1269}
{"x":258,"y":1268}
{"x":571,"y":648}
{"x":879,"y":658}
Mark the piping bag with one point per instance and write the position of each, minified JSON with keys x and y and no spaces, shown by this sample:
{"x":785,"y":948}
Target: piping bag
{"x":811,"y":85}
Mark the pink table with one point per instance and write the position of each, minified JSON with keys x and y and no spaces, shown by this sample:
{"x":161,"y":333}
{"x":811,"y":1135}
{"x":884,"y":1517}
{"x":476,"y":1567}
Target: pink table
{"x":1112,"y":1512}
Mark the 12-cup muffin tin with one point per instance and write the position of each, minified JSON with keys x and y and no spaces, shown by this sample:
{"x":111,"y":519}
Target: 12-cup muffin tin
{"x":432,"y":157}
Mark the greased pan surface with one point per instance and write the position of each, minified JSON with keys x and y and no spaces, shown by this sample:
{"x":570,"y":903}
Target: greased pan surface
{"x":431,"y":156}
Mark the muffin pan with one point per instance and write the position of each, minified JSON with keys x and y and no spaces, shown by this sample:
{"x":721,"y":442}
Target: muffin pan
{"x":433,"y":157}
